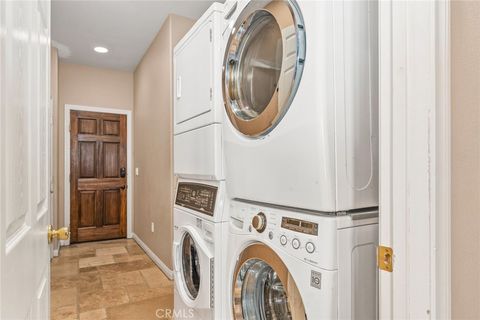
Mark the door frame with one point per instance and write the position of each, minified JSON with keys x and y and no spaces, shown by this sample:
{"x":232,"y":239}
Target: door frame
{"x":128,"y":114}
{"x":415,"y":158}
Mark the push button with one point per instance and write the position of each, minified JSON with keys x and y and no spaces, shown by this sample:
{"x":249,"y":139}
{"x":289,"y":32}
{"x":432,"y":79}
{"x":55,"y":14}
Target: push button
{"x":295,"y":243}
{"x":310,"y":247}
{"x":283,"y":240}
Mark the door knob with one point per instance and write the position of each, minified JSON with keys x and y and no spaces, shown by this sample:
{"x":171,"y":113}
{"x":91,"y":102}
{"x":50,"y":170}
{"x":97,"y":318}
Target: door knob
{"x":60,"y":234}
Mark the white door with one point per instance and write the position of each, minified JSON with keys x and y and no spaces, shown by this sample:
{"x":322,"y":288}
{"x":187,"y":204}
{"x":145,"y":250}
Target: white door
{"x":193,"y":79}
{"x":24,"y":159}
{"x":414,"y":159}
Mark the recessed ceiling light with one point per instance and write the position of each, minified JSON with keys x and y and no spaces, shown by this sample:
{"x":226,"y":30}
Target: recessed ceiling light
{"x":100,"y":49}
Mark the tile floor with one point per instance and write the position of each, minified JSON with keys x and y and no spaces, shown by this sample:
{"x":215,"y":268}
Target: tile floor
{"x":107,"y":280}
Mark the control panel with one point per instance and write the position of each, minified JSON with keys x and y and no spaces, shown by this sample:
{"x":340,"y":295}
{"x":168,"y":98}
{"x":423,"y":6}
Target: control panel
{"x":310,"y":238}
{"x":197,"y":196}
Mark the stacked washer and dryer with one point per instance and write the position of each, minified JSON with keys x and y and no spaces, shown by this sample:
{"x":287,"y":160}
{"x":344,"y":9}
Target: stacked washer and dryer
{"x":300,"y":85}
{"x":199,"y":218}
{"x":297,"y":198}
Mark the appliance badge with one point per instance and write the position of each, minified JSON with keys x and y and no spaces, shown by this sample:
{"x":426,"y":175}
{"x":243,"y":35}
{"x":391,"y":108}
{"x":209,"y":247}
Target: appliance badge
{"x":316,"y":279}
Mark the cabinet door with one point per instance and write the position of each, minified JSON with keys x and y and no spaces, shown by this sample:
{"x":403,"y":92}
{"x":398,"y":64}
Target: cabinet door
{"x":193,"y":74}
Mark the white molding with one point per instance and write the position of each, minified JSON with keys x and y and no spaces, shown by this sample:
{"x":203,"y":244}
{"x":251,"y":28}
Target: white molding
{"x":415,"y":158}
{"x":128,"y":113}
{"x":168,"y":272}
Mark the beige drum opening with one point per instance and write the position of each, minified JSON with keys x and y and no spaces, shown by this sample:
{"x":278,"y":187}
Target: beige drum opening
{"x":263,"y":65}
{"x":263,"y":288}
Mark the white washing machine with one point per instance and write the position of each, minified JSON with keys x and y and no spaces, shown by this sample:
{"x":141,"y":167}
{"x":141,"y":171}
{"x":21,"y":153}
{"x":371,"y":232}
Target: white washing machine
{"x":299,"y":265}
{"x":199,"y":252}
{"x":198,"y":103}
{"x":300,"y":88}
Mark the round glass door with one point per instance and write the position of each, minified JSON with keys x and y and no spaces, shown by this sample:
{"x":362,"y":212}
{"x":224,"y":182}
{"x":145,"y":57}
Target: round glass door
{"x":263,"y":65}
{"x":263,"y":288}
{"x":190,"y":266}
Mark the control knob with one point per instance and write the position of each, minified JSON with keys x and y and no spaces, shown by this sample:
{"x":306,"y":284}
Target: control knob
{"x":295,"y":243}
{"x":283,"y":240}
{"x":310,"y":247}
{"x":259,"y":222}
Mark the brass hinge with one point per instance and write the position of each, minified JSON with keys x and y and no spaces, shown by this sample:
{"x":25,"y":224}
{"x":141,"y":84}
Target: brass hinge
{"x":385,"y":258}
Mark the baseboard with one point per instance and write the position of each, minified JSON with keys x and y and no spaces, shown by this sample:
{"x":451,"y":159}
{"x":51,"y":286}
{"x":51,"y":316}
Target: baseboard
{"x":153,"y":256}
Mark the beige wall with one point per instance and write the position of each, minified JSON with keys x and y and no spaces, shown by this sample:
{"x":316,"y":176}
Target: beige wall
{"x":465,"y":35}
{"x":88,"y":86}
{"x":153,"y":139}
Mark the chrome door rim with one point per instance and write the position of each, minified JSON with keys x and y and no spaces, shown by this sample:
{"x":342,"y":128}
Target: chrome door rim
{"x":190,"y":268}
{"x":289,"y":20}
{"x":260,"y":259}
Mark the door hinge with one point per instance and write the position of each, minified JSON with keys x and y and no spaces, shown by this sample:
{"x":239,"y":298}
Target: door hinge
{"x":385,"y":258}
{"x":70,"y":177}
{"x":211,"y":35}
{"x":211,"y":94}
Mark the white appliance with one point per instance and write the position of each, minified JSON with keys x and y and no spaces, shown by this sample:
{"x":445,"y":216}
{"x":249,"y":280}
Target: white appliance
{"x":198,"y":252}
{"x":198,"y":106}
{"x":299,"y":265}
{"x":300,"y":91}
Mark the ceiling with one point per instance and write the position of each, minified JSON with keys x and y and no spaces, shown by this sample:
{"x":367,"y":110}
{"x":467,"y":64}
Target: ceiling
{"x":125,"y":27}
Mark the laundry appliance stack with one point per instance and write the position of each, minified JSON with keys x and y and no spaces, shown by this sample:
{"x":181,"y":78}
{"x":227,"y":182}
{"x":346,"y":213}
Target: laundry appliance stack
{"x":199,"y":209}
{"x":300,"y":89}
{"x":276,"y":154}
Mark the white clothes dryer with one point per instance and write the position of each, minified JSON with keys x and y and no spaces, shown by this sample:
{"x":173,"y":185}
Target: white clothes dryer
{"x":198,"y":104}
{"x":300,"y":88}
{"x":198,"y":254}
{"x":299,"y":265}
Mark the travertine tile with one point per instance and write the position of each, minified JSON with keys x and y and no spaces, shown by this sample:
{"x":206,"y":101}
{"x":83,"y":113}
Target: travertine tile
{"x":64,"y":297}
{"x":110,"y":251}
{"x":138,"y":293}
{"x":144,"y":310}
{"x":65,"y":313}
{"x":95,"y":261}
{"x":156,"y":278}
{"x":97,"y":299}
{"x":115,"y":280}
{"x":98,"y":314}
{"x":134,"y":249}
{"x":89,"y":281}
{"x":126,"y":266}
{"x":65,"y":269}
{"x":108,"y":278}
{"x":127,"y":257}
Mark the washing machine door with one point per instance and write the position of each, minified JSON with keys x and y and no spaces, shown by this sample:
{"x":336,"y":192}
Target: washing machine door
{"x":263,"y":288}
{"x":263,"y":65}
{"x":193,"y":269}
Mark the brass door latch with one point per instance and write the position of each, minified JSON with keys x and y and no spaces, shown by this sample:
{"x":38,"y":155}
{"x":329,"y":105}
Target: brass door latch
{"x":60,"y":234}
{"x":385,"y":258}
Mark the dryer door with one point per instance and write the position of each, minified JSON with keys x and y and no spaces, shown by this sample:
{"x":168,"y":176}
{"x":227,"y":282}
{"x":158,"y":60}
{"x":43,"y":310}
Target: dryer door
{"x":263,"y":288}
{"x":263,"y":65}
{"x":193,"y":269}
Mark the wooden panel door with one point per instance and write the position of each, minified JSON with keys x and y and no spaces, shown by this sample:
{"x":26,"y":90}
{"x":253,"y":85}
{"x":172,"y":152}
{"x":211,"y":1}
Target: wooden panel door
{"x":98,"y":167}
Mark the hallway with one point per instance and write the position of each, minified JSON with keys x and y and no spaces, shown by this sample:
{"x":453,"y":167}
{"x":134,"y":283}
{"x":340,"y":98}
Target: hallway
{"x":108,"y":280}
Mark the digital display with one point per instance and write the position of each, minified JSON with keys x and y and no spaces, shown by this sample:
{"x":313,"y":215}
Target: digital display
{"x":197,"y":196}
{"x":300,"y":226}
